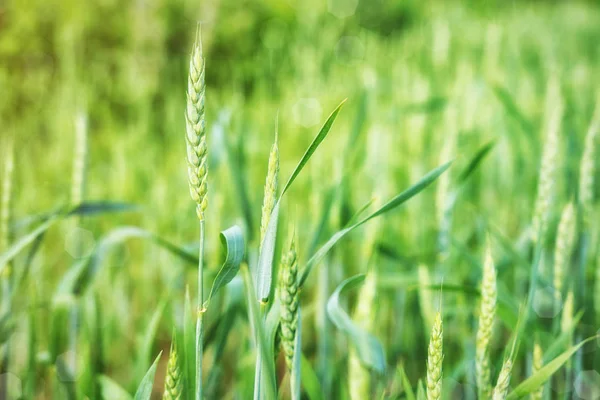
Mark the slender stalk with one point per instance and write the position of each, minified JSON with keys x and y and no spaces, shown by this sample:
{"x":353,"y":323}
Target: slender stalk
{"x":200,"y":314}
{"x":259,"y":362}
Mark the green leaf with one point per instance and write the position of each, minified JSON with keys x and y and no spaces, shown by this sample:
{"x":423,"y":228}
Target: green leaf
{"x":538,"y":379}
{"x":511,"y":108}
{"x":563,"y":341}
{"x":368,"y":347}
{"x":111,"y":389}
{"x":313,"y":147}
{"x":260,"y":337}
{"x":310,"y":381}
{"x":421,"y":393}
{"x":264,"y":269}
{"x":225,"y":328}
{"x":233,"y":241}
{"x":410,"y":395}
{"x":25,"y":241}
{"x":7,"y":327}
{"x":147,"y":340}
{"x":144,"y":391}
{"x":390,"y":205}
{"x":102,"y":207}
{"x":475,"y":161}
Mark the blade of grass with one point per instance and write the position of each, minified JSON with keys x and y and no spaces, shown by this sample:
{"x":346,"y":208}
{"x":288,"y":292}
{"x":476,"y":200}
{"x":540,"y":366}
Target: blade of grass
{"x":233,"y":241}
{"x":368,"y":347}
{"x":538,"y":379}
{"x":260,"y":336}
{"x":144,"y":390}
{"x":264,"y":270}
{"x":390,"y":205}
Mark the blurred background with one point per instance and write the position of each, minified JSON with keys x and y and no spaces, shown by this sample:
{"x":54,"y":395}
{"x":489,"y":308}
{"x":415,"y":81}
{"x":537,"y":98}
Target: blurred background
{"x":426,"y":81}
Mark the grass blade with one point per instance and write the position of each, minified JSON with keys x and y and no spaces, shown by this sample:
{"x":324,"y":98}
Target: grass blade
{"x":233,"y":241}
{"x":390,"y":205}
{"x":260,"y":337}
{"x":475,"y":161}
{"x":144,"y":390}
{"x":25,"y":241}
{"x":540,"y":377}
{"x":264,"y":269}
{"x":111,"y":389}
{"x":368,"y":347}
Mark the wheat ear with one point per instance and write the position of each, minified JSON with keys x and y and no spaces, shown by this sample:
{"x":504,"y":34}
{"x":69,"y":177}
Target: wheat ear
{"x":270,"y":189}
{"x":435,"y":355}
{"x":549,"y":163}
{"x":174,"y":376}
{"x":486,"y":323}
{"x":288,"y":294}
{"x":565,"y":240}
{"x":538,"y":363}
{"x":588,"y":165}
{"x":501,"y":389}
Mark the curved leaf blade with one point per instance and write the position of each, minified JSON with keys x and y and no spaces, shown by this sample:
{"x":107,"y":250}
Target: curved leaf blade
{"x":25,"y":241}
{"x":369,"y":349}
{"x":233,"y":241}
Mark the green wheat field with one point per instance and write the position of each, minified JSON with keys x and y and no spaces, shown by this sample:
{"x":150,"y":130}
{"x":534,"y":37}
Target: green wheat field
{"x":319,"y":199}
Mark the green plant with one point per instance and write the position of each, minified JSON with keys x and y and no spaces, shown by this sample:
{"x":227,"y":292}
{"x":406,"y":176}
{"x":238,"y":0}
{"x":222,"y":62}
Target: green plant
{"x":198,"y":181}
{"x":487,"y":315}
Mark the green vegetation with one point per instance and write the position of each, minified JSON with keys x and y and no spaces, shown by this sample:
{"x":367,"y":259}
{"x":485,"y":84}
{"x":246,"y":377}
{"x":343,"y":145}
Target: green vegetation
{"x":389,"y":200}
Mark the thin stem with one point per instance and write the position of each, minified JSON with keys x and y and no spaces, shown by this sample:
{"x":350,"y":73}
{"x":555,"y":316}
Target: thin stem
{"x":200,"y":314}
{"x":258,"y":378}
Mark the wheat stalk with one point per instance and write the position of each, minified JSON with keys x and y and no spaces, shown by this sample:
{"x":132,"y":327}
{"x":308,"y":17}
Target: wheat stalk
{"x":588,"y":165}
{"x":5,"y":200}
{"x":5,"y":217}
{"x":565,"y":241}
{"x":174,"y":376}
{"x":549,"y":162}
{"x":425,"y":297}
{"x":485,"y":327}
{"x":435,"y":355}
{"x":537,"y":363}
{"x":501,"y":389}
{"x":197,"y":161}
{"x":359,"y":376}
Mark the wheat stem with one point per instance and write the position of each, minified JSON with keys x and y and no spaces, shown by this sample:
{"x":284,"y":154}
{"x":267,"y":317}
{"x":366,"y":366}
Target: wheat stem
{"x":200,"y":314}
